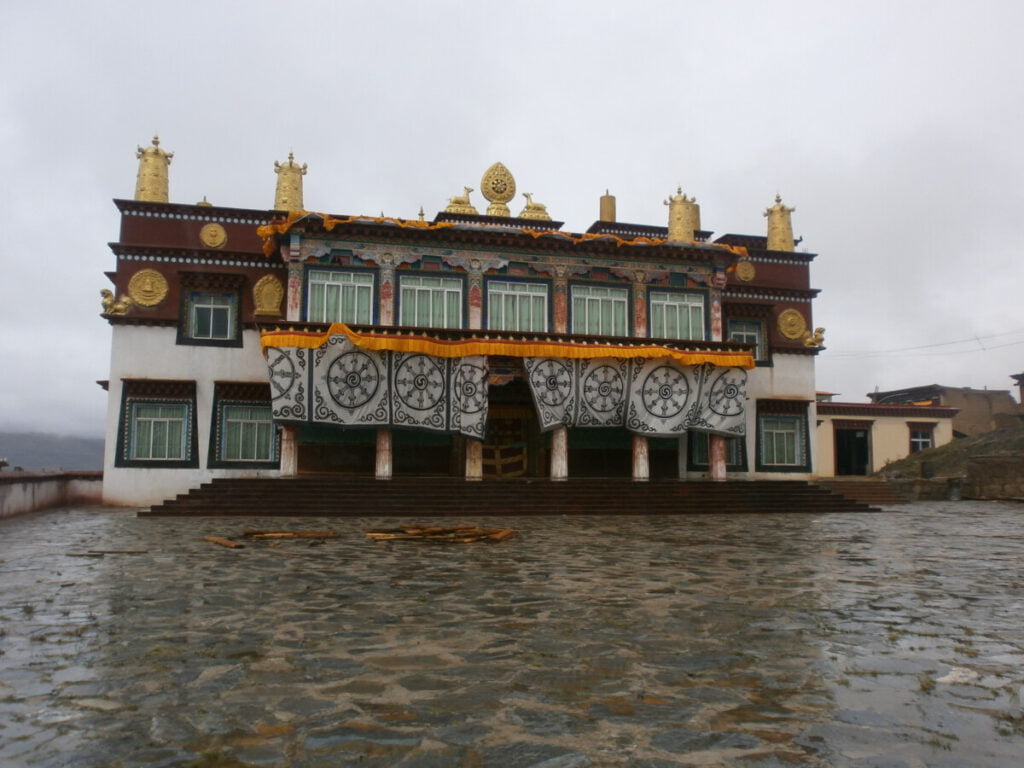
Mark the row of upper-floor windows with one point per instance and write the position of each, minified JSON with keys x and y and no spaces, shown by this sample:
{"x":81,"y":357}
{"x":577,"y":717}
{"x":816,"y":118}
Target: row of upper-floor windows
{"x":349,"y":296}
{"x":511,"y":305}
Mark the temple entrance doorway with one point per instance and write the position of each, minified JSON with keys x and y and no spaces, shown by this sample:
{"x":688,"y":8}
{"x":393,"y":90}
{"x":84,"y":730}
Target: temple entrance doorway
{"x":853,"y":450}
{"x":514,"y":446}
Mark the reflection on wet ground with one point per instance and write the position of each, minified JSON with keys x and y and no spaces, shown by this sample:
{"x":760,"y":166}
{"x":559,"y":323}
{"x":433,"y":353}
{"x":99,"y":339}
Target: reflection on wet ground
{"x":880,"y":640}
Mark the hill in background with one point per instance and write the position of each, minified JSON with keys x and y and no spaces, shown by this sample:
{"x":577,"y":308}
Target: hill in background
{"x":38,"y":451}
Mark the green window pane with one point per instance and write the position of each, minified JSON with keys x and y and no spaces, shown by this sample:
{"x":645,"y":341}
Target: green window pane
{"x":219,"y":323}
{"x":201,"y":325}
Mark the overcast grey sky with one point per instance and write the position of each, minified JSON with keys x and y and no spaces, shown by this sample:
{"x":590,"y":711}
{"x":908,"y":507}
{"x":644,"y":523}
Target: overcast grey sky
{"x":893,"y":127}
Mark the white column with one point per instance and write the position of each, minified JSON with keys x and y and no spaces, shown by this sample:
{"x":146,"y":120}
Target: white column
{"x":474,"y":460}
{"x":383,"y":465}
{"x":716,"y":458}
{"x":560,"y":453}
{"x":641,"y":458}
{"x":289,"y":451}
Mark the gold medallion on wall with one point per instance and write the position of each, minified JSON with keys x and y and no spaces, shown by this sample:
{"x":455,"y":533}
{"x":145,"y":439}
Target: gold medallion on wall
{"x":213,"y":236}
{"x":267,"y":295}
{"x":499,"y":188}
{"x":147,"y":288}
{"x":746,"y":271}
{"x":792,"y":324}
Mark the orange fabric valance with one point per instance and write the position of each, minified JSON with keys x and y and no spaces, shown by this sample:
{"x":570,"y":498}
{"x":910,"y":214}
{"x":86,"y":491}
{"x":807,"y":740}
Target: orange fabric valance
{"x":448,"y":348}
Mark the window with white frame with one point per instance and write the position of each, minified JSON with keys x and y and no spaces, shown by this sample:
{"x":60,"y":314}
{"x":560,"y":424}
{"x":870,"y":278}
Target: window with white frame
{"x":922,"y":437}
{"x":517,"y":306}
{"x":430,"y":302}
{"x":748,"y":332}
{"x":781,"y":440}
{"x":600,"y":311}
{"x":339,"y":297}
{"x":211,"y":316}
{"x":158,"y":431}
{"x":676,"y":315}
{"x":247,"y":433}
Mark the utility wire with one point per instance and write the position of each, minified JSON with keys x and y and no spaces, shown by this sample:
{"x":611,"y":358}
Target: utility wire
{"x":975,"y":339}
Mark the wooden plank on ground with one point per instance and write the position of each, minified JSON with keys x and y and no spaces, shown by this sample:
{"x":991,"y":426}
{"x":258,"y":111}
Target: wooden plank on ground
{"x":220,"y":541}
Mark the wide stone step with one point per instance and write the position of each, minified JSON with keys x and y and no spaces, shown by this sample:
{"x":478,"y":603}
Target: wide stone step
{"x":347,"y":496}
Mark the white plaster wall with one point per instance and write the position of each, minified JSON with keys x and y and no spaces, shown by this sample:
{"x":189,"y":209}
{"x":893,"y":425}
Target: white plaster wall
{"x":826,"y":445}
{"x":144,"y":352}
{"x":889,"y":439}
{"x":31,"y":493}
{"x":791,"y":377}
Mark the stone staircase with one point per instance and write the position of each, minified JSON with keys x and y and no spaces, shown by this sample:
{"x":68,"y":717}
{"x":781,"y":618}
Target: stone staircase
{"x":869,"y":490}
{"x":333,"y":495}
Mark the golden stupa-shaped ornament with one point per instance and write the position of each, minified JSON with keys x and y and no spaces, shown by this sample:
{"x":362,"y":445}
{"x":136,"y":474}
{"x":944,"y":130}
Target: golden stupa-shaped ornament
{"x":151,"y":184}
{"x":288,"y":196}
{"x":683,"y":216}
{"x":780,"y":226}
{"x":499,"y":188}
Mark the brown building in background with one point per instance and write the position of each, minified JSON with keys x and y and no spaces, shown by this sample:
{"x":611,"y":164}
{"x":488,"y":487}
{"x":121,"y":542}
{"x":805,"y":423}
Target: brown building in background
{"x":980,"y":410}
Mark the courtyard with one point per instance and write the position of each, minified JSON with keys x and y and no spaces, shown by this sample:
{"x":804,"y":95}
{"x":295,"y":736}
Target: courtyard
{"x":888,"y":640}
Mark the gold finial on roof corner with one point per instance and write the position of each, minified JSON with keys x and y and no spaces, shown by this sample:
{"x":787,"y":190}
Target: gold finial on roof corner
{"x":535,"y":211}
{"x":780,"y":226}
{"x":288,"y":195}
{"x":461,"y":204}
{"x":205,"y":203}
{"x":112,"y":305}
{"x":422,"y":215}
{"x":815,"y":340}
{"x":683,"y":216}
{"x":151,"y":183}
{"x":499,"y":187}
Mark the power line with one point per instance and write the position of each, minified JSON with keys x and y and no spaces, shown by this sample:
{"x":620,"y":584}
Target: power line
{"x":977,"y":339}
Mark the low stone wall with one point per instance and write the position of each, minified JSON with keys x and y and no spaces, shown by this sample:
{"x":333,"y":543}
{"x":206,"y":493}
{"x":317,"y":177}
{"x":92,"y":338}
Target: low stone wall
{"x":995,"y":477}
{"x":28,"y":491}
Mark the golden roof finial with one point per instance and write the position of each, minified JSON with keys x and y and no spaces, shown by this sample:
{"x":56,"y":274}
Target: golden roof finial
{"x":683,"y":216}
{"x":422,"y":215}
{"x":536,"y":211}
{"x":498,"y":186}
{"x":607,"y":207}
{"x":780,"y":226}
{"x":151,"y":183}
{"x":288,"y":196}
{"x":460,"y":204}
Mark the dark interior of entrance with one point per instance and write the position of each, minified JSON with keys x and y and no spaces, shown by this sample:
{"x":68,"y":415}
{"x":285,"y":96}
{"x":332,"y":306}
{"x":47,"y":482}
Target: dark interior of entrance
{"x":852,"y":451}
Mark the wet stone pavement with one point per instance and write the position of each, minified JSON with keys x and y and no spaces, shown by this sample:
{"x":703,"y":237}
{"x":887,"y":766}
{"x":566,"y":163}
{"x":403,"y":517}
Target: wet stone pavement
{"x":887,"y":640}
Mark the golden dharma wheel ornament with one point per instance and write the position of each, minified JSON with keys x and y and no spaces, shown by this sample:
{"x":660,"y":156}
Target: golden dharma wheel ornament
{"x":267,"y":295}
{"x":792,"y":324}
{"x":498,"y":186}
{"x":147,"y":288}
{"x":746,"y":271}
{"x":213,"y":236}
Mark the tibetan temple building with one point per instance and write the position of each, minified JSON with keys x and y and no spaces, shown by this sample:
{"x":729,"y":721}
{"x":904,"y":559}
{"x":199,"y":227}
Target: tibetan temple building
{"x":479,"y":344}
